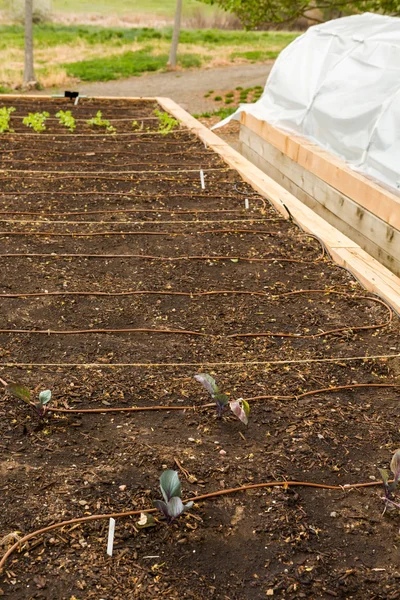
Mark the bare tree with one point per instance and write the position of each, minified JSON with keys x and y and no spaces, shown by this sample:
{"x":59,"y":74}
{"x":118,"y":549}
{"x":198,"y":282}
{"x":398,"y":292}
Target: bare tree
{"x":29,"y":74}
{"x":175,"y":35}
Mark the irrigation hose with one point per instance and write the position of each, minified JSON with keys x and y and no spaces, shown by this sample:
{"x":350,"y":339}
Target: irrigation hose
{"x":54,"y":255}
{"x":212,"y":404}
{"x":201,"y":365}
{"x":130,"y":513}
{"x":177,"y":293}
{"x":198,"y":333}
{"x":105,"y":174}
{"x":136,"y":210}
{"x":127,"y":233}
{"x":328,"y":390}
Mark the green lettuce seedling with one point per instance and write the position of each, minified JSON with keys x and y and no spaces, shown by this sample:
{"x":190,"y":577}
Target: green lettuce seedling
{"x":36,"y":121}
{"x":5,"y":116}
{"x":240,"y":407}
{"x":98,"y":121}
{"x":23,"y":393}
{"x":166,"y":123}
{"x":66,"y":119}
{"x":172,"y":506}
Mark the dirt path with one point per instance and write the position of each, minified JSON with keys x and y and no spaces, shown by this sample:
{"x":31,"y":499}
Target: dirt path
{"x":185,"y":87}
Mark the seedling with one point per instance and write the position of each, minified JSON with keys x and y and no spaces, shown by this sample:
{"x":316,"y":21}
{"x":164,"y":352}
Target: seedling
{"x":166,"y":122}
{"x":5,"y":116}
{"x":137,"y":125}
{"x":98,"y":121}
{"x":172,"y":506}
{"x":66,"y":119}
{"x":240,"y":408}
{"x":23,"y":393}
{"x":36,"y":121}
{"x":390,"y":488}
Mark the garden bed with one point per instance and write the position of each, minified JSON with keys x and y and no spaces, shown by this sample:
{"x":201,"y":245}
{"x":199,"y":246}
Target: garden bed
{"x":121,"y":279}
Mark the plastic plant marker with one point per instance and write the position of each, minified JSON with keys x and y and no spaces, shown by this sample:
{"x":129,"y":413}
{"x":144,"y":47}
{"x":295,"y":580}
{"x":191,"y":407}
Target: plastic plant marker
{"x":111,"y":532}
{"x":203,"y":185}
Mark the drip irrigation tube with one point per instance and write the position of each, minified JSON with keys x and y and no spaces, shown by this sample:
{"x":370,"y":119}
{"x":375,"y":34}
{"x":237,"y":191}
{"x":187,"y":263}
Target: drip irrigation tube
{"x":266,"y":295}
{"x":163,"y":258}
{"x":198,"y":333}
{"x":253,"y":486}
{"x":104,"y":135}
{"x":135,"y":210}
{"x":148,"y":222}
{"x":112,"y":152}
{"x":92,"y":174}
{"x":204,"y":363}
{"x":193,"y":407}
{"x":127,"y":233}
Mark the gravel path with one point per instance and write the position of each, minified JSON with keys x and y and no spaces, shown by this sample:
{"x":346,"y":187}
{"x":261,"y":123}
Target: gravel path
{"x":185,"y":87}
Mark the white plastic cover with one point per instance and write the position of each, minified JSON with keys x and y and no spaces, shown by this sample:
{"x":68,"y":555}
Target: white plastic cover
{"x":339,"y":85}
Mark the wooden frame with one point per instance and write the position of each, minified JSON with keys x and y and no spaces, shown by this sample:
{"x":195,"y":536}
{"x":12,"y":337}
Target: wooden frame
{"x":357,"y":206}
{"x":374,"y":276}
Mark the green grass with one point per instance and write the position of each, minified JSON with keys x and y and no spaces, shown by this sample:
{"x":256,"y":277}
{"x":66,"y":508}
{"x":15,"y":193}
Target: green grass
{"x":218,"y":37}
{"x":256,"y":55}
{"x":104,"y":53}
{"x":50,"y":34}
{"x":165,"y":8}
{"x":121,"y":7}
{"x":125,"y":65}
{"x":221,"y":112}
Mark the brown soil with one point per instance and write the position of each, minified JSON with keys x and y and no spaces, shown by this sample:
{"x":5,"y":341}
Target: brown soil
{"x":282,"y":542}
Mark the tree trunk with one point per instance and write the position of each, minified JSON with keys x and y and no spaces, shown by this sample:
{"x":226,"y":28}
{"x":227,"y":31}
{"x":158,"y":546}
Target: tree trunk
{"x":175,"y":35}
{"x":29,"y":74}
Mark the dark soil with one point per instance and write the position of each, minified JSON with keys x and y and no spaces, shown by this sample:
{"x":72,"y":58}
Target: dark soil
{"x":286,"y":543}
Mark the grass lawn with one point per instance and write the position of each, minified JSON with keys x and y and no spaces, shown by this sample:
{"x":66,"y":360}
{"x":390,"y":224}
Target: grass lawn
{"x":66,"y":53}
{"x":158,"y":7}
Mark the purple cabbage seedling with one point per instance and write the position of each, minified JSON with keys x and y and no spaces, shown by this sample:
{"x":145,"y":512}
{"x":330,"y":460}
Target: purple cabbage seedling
{"x":172,"y":506}
{"x":391,"y":487}
{"x":23,"y":393}
{"x":240,"y":407}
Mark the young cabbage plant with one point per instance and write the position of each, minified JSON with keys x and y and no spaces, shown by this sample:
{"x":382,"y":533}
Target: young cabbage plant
{"x":172,"y":506}
{"x":240,"y":407}
{"x":390,"y":488}
{"x":23,"y":393}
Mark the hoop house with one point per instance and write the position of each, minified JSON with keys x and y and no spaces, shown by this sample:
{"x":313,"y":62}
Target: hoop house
{"x":339,"y":85}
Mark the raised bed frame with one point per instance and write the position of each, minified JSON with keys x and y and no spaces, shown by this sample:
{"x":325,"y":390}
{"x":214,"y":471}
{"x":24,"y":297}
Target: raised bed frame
{"x":363,"y":210}
{"x":222,"y":290}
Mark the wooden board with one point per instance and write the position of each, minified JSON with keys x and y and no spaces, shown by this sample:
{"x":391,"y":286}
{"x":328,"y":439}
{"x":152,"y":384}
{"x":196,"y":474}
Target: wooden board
{"x":331,"y":169}
{"x":375,"y":236}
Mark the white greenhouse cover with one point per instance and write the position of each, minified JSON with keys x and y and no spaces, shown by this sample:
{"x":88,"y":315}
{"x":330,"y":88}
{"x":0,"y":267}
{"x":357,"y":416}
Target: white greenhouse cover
{"x":339,"y":85}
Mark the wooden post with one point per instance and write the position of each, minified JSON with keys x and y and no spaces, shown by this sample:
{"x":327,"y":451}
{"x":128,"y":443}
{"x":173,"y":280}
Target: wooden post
{"x":29,"y":75}
{"x":175,"y":35}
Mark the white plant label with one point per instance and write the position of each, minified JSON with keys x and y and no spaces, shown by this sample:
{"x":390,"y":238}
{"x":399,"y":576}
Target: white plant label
{"x":203,"y":185}
{"x":111,"y":532}
{"x":246,"y":203}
